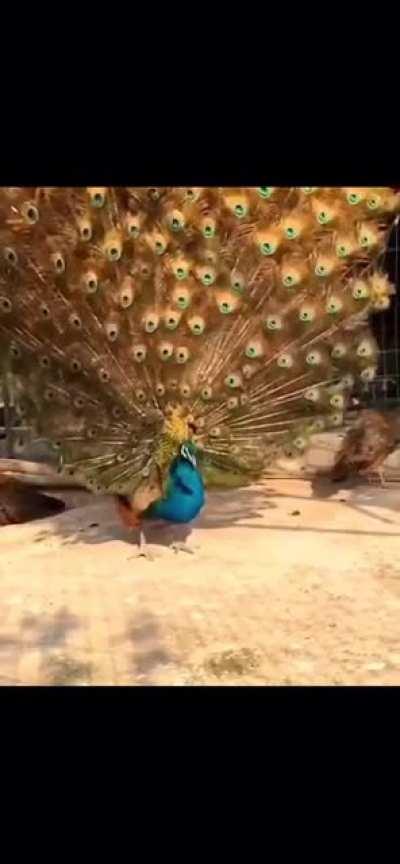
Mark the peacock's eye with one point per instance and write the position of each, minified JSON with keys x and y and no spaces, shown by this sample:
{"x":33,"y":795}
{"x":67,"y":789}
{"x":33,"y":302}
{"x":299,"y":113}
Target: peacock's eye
{"x":10,"y":255}
{"x":208,"y":277}
{"x":308,"y":190}
{"x":75,"y":365}
{"x":183,"y":300}
{"x":76,"y":321}
{"x":339,"y":350}
{"x":368,"y":374}
{"x":192,"y":193}
{"x":165,"y":350}
{"x":237,"y":282}
{"x":324,"y":217}
{"x":176,"y":221}
{"x":253,"y":350}
{"x":58,"y":262}
{"x":180,"y":271}
{"x":374,"y":202}
{"x":30,"y":213}
{"x":182,"y":354}
{"x":86,"y":232}
{"x":126,"y":298}
{"x":5,"y":305}
{"x":240,"y":210}
{"x":337,"y":400}
{"x":112,"y":332}
{"x":265,"y":191}
{"x":90,"y":281}
{"x":274,"y":322}
{"x":353,"y":198}
{"x":97,"y":197}
{"x":268,"y":247}
{"x":151,"y":323}
{"x":197,"y":325}
{"x":160,"y":390}
{"x":365,"y":349}
{"x":172,"y":322}
{"x":312,"y":395}
{"x":342,"y":250}
{"x":133,"y":227}
{"x":225,"y":307}
{"x":313,"y":358}
{"x":360,"y":291}
{"x":300,"y":443}
{"x":289,"y":280}
{"x":291,"y":232}
{"x":307,"y":315}
{"x":285,"y":361}
{"x":208,"y":228}
{"x":366,"y":240}
{"x":113,"y":252}
{"x":139,"y":353}
{"x":334,"y":306}
{"x":206,"y":393}
{"x":233,"y":381}
{"x":160,"y":246}
{"x":321,"y":270}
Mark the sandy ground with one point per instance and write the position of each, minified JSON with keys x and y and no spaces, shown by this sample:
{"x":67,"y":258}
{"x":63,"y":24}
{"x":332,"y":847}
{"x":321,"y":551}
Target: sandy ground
{"x":286,"y":584}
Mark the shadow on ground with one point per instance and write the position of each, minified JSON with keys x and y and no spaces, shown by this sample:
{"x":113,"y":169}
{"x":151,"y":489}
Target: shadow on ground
{"x":48,"y":634}
{"x":98,"y":521}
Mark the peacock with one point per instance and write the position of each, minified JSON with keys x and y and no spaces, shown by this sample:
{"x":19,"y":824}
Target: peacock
{"x":162,"y":338}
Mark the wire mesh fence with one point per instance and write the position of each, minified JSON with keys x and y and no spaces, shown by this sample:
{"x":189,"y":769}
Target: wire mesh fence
{"x":384,"y":391}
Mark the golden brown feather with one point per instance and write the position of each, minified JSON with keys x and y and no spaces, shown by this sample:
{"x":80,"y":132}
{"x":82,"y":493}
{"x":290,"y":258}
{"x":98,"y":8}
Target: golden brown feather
{"x":126,"y":313}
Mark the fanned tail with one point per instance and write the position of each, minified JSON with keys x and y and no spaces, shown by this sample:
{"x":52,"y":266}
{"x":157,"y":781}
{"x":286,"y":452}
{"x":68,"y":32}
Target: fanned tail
{"x":130,"y":317}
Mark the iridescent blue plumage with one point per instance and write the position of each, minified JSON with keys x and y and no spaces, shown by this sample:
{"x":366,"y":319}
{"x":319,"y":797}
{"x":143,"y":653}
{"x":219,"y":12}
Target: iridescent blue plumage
{"x":185,"y":490}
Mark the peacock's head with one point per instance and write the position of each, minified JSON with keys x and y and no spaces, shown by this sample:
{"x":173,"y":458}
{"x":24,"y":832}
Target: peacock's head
{"x":188,"y":453}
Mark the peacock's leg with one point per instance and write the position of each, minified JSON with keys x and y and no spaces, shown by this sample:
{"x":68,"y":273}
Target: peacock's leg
{"x":381,"y":475}
{"x":131,"y":520}
{"x":143,"y":550}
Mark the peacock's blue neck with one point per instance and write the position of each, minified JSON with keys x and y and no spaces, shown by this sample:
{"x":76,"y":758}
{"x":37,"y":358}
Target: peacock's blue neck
{"x":185,"y":494}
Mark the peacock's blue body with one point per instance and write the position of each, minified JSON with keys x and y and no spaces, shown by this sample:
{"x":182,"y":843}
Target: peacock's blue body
{"x":185,"y":491}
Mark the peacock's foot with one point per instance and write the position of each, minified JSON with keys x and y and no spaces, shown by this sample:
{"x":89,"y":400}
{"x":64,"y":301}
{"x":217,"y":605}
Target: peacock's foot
{"x":183,"y":547}
{"x":144,"y":550}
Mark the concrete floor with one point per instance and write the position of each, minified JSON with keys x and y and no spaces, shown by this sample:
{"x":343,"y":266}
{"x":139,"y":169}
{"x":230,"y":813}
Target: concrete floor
{"x":287,"y":584}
